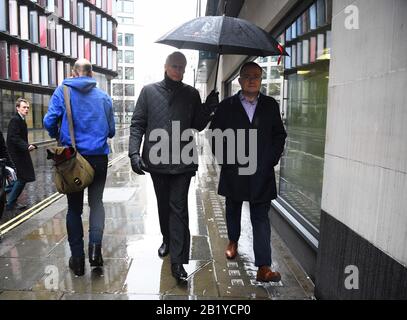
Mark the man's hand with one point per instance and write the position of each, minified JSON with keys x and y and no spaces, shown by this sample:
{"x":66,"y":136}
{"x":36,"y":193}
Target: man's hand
{"x":212,"y":101}
{"x":32,"y":147}
{"x":137,"y":164}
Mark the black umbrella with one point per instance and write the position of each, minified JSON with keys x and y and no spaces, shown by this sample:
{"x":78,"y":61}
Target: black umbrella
{"x":223,"y":35}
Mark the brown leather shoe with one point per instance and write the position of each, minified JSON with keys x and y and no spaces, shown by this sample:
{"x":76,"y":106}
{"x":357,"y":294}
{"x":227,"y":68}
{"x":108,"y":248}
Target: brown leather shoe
{"x":231,"y":250}
{"x":265,"y":274}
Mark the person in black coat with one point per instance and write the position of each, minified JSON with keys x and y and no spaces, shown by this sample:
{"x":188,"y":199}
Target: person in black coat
{"x":19,"y":149}
{"x":253,"y":180}
{"x":162,"y":106}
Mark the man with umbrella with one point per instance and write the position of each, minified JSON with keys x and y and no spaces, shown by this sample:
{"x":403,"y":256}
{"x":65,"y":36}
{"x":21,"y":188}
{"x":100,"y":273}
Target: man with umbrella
{"x":165,"y":106}
{"x":251,"y":110}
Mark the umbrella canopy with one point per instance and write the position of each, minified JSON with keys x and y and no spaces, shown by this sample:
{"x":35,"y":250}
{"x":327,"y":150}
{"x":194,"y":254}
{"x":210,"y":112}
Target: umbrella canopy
{"x":224,"y":35}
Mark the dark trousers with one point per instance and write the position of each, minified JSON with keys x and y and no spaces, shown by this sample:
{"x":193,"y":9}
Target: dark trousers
{"x":171,"y":191}
{"x":97,"y":211}
{"x":261,"y":228}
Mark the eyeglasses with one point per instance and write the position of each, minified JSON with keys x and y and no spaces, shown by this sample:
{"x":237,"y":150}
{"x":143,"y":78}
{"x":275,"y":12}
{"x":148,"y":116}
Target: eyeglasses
{"x":250,"y":78}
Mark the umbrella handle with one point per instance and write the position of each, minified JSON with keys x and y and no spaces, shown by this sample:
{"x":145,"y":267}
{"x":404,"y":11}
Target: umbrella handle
{"x":216,"y":74}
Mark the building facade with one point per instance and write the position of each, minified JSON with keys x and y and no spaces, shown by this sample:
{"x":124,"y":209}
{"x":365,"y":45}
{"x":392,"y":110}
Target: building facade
{"x":123,"y":87}
{"x":343,"y":176}
{"x":39,"y":43}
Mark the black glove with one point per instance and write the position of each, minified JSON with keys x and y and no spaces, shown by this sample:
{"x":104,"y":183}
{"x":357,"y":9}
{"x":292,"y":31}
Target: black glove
{"x":137,"y":164}
{"x":212,"y":101}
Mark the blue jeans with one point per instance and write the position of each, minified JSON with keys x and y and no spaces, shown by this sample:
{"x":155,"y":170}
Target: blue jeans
{"x":18,"y":187}
{"x":97,"y":211}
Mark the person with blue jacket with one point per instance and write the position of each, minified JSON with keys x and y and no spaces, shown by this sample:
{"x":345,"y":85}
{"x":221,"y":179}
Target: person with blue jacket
{"x":93,"y":120}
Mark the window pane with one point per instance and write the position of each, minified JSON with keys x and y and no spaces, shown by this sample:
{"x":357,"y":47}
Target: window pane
{"x":129,"y":73}
{"x":118,"y":105}
{"x":117,"y":89}
{"x":301,"y":167}
{"x":313,"y":16}
{"x":119,"y":39}
{"x":263,"y":88}
{"x":36,"y":107}
{"x":264,"y":73}
{"x":129,"y":90}
{"x":129,"y":105}
{"x":321,"y":13}
{"x":129,"y":40}
{"x":119,"y":73}
{"x":129,"y":56}
{"x":120,"y":56}
{"x":128,"y":6}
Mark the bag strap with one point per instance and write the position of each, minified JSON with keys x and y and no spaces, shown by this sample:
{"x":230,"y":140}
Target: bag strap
{"x":69,"y":114}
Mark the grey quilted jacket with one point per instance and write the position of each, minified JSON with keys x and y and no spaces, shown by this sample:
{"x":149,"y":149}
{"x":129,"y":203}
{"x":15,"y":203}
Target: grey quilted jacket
{"x":160,"y":106}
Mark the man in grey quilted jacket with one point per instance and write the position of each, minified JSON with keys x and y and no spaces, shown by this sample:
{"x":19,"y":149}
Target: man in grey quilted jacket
{"x":164,"y":111}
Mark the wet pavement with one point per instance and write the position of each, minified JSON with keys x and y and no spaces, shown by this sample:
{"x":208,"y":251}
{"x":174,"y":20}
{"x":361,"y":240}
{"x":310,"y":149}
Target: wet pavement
{"x":34,"y":255}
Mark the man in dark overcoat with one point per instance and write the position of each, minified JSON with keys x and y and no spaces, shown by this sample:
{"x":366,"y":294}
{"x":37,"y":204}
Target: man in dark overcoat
{"x":19,"y":150}
{"x":250,"y":111}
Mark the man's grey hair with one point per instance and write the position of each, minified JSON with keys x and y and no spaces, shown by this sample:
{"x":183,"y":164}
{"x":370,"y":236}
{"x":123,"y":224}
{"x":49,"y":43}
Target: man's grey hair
{"x":82,"y":67}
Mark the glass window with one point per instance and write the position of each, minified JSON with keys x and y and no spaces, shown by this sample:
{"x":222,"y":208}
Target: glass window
{"x":129,"y":73}
{"x":129,"y":56}
{"x":129,"y":40}
{"x":263,"y":88}
{"x":119,"y":39}
{"x":299,"y":54}
{"x":321,"y":13}
{"x":305,"y":22}
{"x":127,"y":6}
{"x":294,"y":56}
{"x":119,"y":56}
{"x":301,"y":169}
{"x":288,"y":34}
{"x":305,"y":51}
{"x":274,"y":73}
{"x":293,"y":31}
{"x":119,"y":73}
{"x":274,"y":90}
{"x":117,"y":89}
{"x":36,"y":107}
{"x":313,"y":16}
{"x":264,"y":73}
{"x":304,"y":105}
{"x":118,"y":105}
{"x":125,"y":20}
{"x":7,"y":108}
{"x":299,"y":26}
{"x":287,"y":59}
{"x":129,"y":105}
{"x":129,"y":90}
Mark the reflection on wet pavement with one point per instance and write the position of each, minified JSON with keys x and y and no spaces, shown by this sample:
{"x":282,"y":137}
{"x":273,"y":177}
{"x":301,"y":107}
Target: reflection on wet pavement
{"x":34,"y":256}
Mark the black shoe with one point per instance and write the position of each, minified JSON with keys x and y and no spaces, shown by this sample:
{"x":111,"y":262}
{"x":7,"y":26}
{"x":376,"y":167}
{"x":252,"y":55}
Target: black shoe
{"x":95,"y":255}
{"x":163,"y":250}
{"x":178,"y":271}
{"x":77,"y":265}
